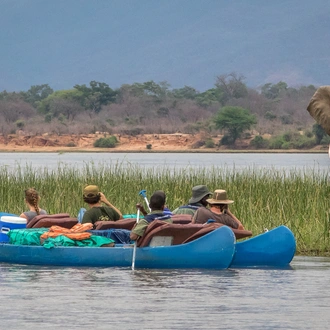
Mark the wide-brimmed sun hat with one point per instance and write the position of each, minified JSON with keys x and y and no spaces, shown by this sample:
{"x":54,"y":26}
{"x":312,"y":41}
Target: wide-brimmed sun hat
{"x":219,"y":197}
{"x":91,"y":191}
{"x":198,"y":193}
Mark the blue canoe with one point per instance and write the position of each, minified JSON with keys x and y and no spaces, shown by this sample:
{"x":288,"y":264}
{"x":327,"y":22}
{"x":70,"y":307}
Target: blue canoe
{"x":275,"y":248}
{"x":214,"y":250}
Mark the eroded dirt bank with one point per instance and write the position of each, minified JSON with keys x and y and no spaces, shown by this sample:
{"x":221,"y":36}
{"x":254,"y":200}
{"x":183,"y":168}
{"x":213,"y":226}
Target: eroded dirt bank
{"x":157,"y":143}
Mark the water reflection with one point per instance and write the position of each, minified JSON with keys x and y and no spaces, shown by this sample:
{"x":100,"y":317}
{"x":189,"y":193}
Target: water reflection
{"x":179,"y":278}
{"x":106,"y":298}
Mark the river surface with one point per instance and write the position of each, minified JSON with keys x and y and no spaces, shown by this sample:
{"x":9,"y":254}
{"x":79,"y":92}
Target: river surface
{"x":34,"y":297}
{"x":300,"y":162}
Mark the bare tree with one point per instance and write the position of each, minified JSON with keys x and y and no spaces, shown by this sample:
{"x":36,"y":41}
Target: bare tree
{"x":12,"y":111}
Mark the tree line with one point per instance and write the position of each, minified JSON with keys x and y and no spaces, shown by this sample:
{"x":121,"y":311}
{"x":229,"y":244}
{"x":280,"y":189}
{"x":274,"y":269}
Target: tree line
{"x":230,"y":108}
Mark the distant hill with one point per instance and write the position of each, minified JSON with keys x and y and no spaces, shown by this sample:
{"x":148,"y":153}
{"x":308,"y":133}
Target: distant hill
{"x":185,"y":42}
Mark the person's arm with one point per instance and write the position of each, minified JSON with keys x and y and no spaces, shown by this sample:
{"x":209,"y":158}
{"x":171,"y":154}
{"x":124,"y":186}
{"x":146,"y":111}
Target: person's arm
{"x":138,"y":230}
{"x":106,"y":202}
{"x":23,"y":216}
{"x":133,"y":236}
{"x":240,"y":226}
{"x":140,"y":207}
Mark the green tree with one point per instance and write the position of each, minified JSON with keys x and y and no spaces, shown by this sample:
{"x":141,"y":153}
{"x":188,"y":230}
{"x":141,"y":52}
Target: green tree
{"x":65,"y":102}
{"x":208,"y":97}
{"x":234,"y":120}
{"x":185,"y":92}
{"x":36,"y":94}
{"x":95,"y":96}
{"x":273,"y":91}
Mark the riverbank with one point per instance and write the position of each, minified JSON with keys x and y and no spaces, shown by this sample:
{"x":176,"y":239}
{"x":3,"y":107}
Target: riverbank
{"x":149,"y":143}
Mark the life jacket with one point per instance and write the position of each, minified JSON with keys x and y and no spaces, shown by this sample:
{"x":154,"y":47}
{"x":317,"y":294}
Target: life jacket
{"x":77,"y":232}
{"x":156,"y":216}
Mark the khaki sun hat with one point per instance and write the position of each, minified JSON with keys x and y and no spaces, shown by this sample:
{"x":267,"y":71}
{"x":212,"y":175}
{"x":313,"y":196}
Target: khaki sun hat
{"x":198,"y":193}
{"x":219,"y":197}
{"x":91,"y":191}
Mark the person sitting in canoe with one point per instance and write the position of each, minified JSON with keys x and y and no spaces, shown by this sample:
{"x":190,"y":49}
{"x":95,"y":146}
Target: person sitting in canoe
{"x":219,"y":211}
{"x":32,"y":200}
{"x":157,"y":204}
{"x":98,"y":212}
{"x":199,"y":196}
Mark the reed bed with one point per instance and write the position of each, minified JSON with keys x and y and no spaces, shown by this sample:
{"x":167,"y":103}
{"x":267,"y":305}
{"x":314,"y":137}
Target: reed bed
{"x":263,"y":198}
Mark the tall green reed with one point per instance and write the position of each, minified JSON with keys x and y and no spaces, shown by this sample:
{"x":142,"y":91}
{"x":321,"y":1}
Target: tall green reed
{"x":263,"y":198}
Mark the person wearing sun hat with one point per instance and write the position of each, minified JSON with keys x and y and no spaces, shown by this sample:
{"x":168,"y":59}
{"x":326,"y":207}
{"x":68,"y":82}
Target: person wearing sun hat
{"x":198,"y":199}
{"x":98,"y":212}
{"x":218,"y":211}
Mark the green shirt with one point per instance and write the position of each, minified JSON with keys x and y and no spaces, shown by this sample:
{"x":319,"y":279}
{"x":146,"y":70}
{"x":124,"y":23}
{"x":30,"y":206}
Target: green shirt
{"x":100,"y":213}
{"x":186,"y":210}
{"x":142,"y":225}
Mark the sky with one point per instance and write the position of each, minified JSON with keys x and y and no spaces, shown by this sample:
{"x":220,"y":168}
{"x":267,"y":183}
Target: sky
{"x":184,"y":42}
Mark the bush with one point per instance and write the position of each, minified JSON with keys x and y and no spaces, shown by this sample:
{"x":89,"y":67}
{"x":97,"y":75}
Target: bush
{"x":286,"y":120}
{"x":71,"y":144}
{"x":291,"y":140}
{"x":304,"y":142}
{"x":325,"y":139}
{"x":259,"y":142}
{"x":48,"y":117}
{"x":226,"y":140}
{"x":287,"y":145}
{"x":20,"y":123}
{"x":269,"y":115}
{"x":163,"y":112}
{"x":209,"y":143}
{"x":149,"y":146}
{"x":198,"y":144}
{"x":309,"y":134}
{"x":109,"y":142}
{"x":110,"y":122}
{"x":276,"y":142}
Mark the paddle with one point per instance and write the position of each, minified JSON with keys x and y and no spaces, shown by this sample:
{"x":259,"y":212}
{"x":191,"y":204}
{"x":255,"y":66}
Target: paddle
{"x":134,"y":249}
{"x":144,"y":195}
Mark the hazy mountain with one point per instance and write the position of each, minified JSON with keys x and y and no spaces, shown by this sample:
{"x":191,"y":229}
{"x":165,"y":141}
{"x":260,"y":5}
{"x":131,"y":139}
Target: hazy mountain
{"x":185,"y":42}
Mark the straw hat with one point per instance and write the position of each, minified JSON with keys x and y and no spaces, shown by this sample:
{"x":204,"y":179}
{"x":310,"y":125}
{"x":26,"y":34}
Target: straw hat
{"x":219,"y":197}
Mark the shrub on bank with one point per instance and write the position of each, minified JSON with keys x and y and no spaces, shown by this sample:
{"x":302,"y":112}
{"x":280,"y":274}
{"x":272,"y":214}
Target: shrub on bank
{"x":259,"y":142}
{"x":109,"y":142}
{"x":291,"y":140}
{"x":209,"y":143}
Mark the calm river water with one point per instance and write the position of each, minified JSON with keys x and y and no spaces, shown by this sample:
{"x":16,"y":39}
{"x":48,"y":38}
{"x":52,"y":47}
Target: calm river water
{"x":300,"y":162}
{"x":112,"y":298}
{"x":99,"y":298}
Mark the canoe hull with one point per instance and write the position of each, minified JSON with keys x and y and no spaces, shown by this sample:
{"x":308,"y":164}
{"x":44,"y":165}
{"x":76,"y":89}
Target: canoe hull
{"x":275,"y":248}
{"x":214,"y":250}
